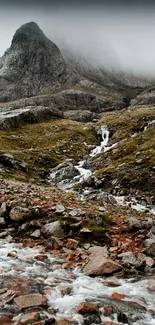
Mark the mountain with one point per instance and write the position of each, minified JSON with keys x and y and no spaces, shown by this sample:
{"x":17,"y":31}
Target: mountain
{"x":32,"y":65}
{"x":35,"y":66}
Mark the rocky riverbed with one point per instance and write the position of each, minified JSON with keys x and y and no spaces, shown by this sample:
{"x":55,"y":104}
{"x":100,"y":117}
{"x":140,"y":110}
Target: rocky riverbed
{"x":57,"y":267}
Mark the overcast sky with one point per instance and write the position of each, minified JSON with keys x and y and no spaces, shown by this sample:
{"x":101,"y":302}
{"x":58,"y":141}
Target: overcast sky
{"x":107,"y":32}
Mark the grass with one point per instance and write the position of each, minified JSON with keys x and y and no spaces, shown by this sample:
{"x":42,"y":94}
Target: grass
{"x":45,"y":145}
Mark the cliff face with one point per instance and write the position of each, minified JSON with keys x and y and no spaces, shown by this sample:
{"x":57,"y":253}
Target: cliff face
{"x":32,"y":65}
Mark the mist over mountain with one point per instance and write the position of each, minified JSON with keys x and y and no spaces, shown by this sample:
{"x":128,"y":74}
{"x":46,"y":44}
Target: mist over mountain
{"x":118,"y":36}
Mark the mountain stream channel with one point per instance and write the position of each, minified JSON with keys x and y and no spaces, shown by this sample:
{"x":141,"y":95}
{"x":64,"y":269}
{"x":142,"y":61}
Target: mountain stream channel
{"x":61,"y":290}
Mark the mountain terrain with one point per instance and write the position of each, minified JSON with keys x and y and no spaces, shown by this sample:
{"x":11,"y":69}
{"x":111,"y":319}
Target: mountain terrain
{"x":77,"y":189}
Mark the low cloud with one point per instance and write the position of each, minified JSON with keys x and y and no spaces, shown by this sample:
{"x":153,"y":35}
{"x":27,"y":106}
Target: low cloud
{"x":116,"y":38}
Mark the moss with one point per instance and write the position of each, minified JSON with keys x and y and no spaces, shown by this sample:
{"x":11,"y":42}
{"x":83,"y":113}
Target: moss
{"x":45,"y":145}
{"x":131,"y":163}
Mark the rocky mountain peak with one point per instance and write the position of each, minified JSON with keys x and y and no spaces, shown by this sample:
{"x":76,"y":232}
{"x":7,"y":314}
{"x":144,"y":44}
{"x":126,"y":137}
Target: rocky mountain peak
{"x":32,"y":65}
{"x":30,"y":32}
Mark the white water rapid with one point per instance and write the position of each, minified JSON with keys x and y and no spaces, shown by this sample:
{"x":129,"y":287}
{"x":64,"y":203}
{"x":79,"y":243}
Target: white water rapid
{"x":65,"y":288}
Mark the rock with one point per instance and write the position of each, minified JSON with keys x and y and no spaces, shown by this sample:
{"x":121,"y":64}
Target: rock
{"x":72,"y":243}
{"x":150,"y":245}
{"x":81,"y":115}
{"x":63,"y":321}
{"x":129,"y":259}
{"x":151,"y":285}
{"x":118,"y":296}
{"x":35,"y":61}
{"x":101,"y":209}
{"x":2,"y":221}
{"x":60,"y":209}
{"x":4,"y":234}
{"x":64,"y":171}
{"x":87,"y":308}
{"x":29,"y":318}
{"x":134,"y":223}
{"x":107,"y":310}
{"x":22,"y":116}
{"x":111,"y":281}
{"x":19,"y":214}
{"x":5,"y":320}
{"x":50,"y":321}
{"x":102,"y":267}
{"x":53,"y":229}
{"x":99,"y":263}
{"x":36,"y":233}
{"x":3,"y":212}
{"x":92,"y":319}
{"x":31,"y":300}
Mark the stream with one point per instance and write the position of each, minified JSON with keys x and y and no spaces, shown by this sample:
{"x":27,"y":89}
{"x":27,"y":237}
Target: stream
{"x":64,"y":288}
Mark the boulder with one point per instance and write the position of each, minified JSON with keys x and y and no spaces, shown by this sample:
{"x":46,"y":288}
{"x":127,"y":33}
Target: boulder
{"x":29,"y":115}
{"x":99,"y":263}
{"x":87,"y":308}
{"x":53,"y":229}
{"x":65,"y":171}
{"x":19,"y":214}
{"x":31,"y":300}
{"x":150,"y":245}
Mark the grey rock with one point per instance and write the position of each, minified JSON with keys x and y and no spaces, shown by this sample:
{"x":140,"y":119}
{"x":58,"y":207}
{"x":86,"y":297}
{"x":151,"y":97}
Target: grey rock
{"x":53,"y":229}
{"x":28,"y":115}
{"x":99,"y":262}
{"x":19,"y":214}
{"x":81,"y":115}
{"x":134,"y":223}
{"x":64,"y":171}
{"x":3,"y":234}
{"x":139,"y":261}
{"x":60,"y":209}
{"x":150,"y":245}
{"x":2,"y":221}
{"x":3,"y":211}
{"x":36,"y":233}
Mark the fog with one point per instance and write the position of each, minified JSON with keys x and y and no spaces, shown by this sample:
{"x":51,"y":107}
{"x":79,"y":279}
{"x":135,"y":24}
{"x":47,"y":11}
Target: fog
{"x":122,"y":39}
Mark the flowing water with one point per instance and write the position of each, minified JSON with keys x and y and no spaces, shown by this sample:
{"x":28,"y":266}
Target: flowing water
{"x":65,"y":289}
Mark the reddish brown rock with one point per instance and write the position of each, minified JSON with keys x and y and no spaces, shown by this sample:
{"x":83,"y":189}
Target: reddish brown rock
{"x":118,"y":296}
{"x":87,"y":308}
{"x":50,"y":321}
{"x":29,"y":318}
{"x":63,"y":321}
{"x":107,"y":310}
{"x":31,"y":300}
{"x":4,"y":320}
